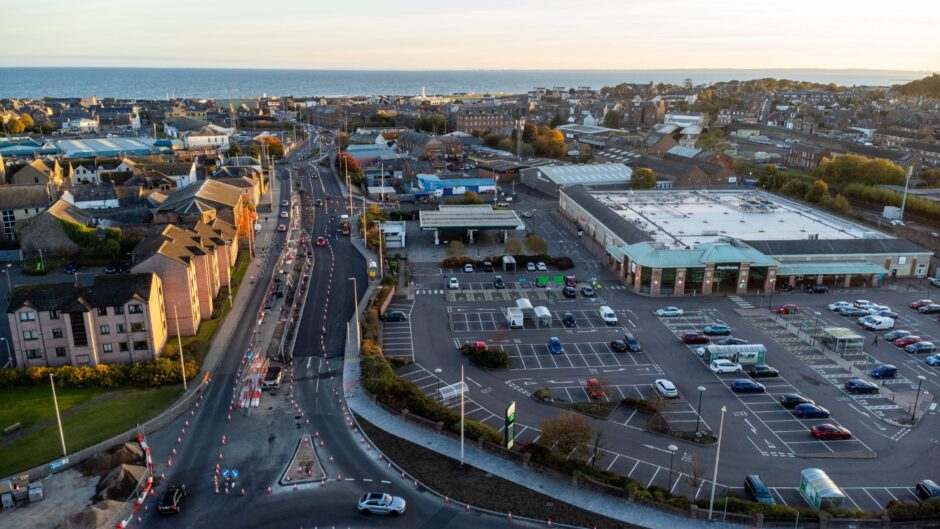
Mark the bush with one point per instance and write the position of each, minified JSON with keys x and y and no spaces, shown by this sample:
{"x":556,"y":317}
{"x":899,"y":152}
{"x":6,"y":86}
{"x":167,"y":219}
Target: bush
{"x":371,"y":348}
{"x":490,"y":358}
{"x":161,"y":371}
{"x":900,"y":510}
{"x":544,"y":456}
{"x":563,"y":263}
{"x":11,"y":377}
{"x":543,"y":395}
{"x":640,"y":404}
{"x":370,"y":324}
{"x":475,"y":430}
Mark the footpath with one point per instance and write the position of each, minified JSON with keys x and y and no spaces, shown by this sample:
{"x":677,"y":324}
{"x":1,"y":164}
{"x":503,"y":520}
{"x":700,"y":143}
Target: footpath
{"x":609,"y":506}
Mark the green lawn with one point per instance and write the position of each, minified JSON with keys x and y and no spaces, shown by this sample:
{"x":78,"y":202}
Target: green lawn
{"x":29,"y":405}
{"x":87,"y":427}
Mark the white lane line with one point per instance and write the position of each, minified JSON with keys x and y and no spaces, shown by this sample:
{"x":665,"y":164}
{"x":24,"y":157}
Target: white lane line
{"x":474,"y":381}
{"x":654,"y":477}
{"x":369,"y":480}
{"x":614,"y":461}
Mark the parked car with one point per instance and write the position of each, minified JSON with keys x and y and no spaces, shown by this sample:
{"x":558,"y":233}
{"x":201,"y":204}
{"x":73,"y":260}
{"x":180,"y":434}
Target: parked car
{"x":587,"y":291}
{"x":810,"y":411}
{"x":319,"y":202}
{"x":887,"y":314}
{"x":894,"y":335}
{"x":839,"y":305}
{"x":281,"y":228}
{"x":498,"y":283}
{"x":876,"y":323}
{"x":70,"y":268}
{"x":694,"y":338}
{"x":321,"y":241}
{"x":285,"y":215}
{"x":717,"y":329}
{"x":571,"y":281}
{"x":920,"y":303}
{"x":920,"y":347}
{"x":875,"y":309}
{"x":934,"y":282}
{"x":723,"y":365}
{"x":594,"y":389}
{"x":669,"y":311}
{"x":540,"y":266}
{"x":487,"y":266}
{"x":530,"y":267}
{"x":745,"y":385}
{"x":394,"y":315}
{"x":569,"y":292}
{"x":863,"y":303}
{"x":381,"y":503}
{"x":468,"y":267}
{"x":730,"y":340}
{"x":172,"y":500}
{"x":857,"y":385}
{"x":789,"y":308}
{"x":633,"y":345}
{"x":933,"y":360}
{"x":926,"y":489}
{"x":568,"y":320}
{"x":619,"y":346}
{"x":904,"y":341}
{"x":933,"y":308}
{"x":756,"y":489}
{"x":819,"y":289}
{"x":884,"y":371}
{"x":852,"y":311}
{"x":762,"y":371}
{"x":666,"y":388}
{"x":112,"y":268}
{"x":453,"y":284}
{"x":792,"y":400}
{"x":285,"y":203}
{"x":554,"y":346}
{"x":830,"y":432}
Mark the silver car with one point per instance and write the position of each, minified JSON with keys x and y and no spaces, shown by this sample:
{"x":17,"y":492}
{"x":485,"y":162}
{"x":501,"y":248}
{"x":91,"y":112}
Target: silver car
{"x":381,"y":503}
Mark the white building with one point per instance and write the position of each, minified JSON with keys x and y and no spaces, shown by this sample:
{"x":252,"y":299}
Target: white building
{"x":207,"y":137}
{"x":685,"y":119}
{"x":80,"y":125}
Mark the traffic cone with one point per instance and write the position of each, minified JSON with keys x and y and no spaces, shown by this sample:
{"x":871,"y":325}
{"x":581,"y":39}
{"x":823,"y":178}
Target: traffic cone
{"x":243,"y":491}
{"x":468,"y":508}
{"x":509,"y":515}
{"x":269,"y":490}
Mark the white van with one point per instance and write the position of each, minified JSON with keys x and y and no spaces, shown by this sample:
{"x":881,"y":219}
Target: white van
{"x":607,"y":314}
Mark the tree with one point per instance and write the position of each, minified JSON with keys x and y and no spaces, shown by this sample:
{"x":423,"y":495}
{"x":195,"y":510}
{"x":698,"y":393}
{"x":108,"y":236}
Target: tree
{"x":27,"y":120}
{"x":455,"y":249}
{"x":15,"y":126}
{"x":596,"y":447}
{"x":566,"y":433}
{"x":512,"y":247}
{"x":817,"y":192}
{"x":536,"y":244}
{"x":557,"y":120}
{"x":713,"y":139}
{"x":346,"y":163}
{"x":930,"y":178}
{"x":471,"y":198}
{"x":612,"y":120}
{"x":506,"y":144}
{"x":234,"y":149}
{"x":644,"y":178}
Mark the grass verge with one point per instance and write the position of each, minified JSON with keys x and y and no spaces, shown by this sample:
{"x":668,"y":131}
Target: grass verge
{"x":87,"y":427}
{"x":32,"y":404}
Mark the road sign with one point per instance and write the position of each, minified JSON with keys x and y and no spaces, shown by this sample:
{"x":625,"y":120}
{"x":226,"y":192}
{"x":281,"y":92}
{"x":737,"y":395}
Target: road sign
{"x":509,"y":430}
{"x":870,"y":359}
{"x":55,"y":465}
{"x":522,"y":280}
{"x":234,"y":473}
{"x":224,"y":472}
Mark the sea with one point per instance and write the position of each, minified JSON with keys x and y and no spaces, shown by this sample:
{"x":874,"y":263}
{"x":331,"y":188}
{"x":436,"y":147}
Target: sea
{"x":162,"y":83}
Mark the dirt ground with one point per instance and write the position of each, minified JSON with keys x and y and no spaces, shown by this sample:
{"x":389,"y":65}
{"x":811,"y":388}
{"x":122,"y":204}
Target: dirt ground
{"x":478,"y":488}
{"x":65,"y":493}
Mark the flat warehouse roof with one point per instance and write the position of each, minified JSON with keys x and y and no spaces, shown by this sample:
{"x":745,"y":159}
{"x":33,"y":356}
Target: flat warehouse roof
{"x":687,"y":218}
{"x":481,"y":217}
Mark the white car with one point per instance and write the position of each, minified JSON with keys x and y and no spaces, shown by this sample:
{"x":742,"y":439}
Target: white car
{"x":839,"y":305}
{"x":541,"y":267}
{"x":468,"y":267}
{"x":453,"y":284}
{"x":723,"y":365}
{"x":863,"y":303}
{"x":876,"y":323}
{"x":530,"y":267}
{"x":503,"y":204}
{"x":666,"y":388}
{"x":669,"y":311}
{"x":285,"y":215}
{"x":875,"y":309}
{"x":381,"y":503}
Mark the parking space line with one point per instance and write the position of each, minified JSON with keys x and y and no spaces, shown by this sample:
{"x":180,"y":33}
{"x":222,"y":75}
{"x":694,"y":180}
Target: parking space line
{"x":653,"y":478}
{"x":616,"y":457}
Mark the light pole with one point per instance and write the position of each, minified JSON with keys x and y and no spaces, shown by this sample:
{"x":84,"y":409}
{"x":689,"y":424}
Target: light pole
{"x":9,"y":283}
{"x":9,"y":354}
{"x":773,"y":283}
{"x":672,"y":455}
{"x":58,"y":418}
{"x":437,"y":393}
{"x":721,"y":427}
{"x":698,"y":420}
{"x":920,"y":381}
{"x":356,"y":300}
{"x":815,"y":329}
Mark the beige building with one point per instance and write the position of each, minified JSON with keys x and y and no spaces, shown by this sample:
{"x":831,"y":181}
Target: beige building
{"x":119,"y":319}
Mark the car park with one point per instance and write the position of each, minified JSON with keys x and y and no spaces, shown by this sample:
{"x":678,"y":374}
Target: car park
{"x":744,"y":385}
{"x":717,"y":329}
{"x":895,"y":335}
{"x":829,"y":432}
{"x":839,"y":305}
{"x":789,"y":308}
{"x":394,"y":315}
{"x":468,"y":267}
{"x":920,"y":303}
{"x":569,"y":292}
{"x":756,"y":490}
{"x":633,"y":345}
{"x":321,"y":241}
{"x":554,"y":346}
{"x":933,"y":360}
{"x":453,"y":284}
{"x":792,"y":400}
{"x":619,"y":346}
{"x":810,"y":411}
{"x":904,"y":341}
{"x":884,"y":371}
{"x":730,"y":340}
{"x":568,"y":320}
{"x":540,"y":266}
{"x":693,"y":338}
{"x":920,"y":348}
{"x":587,"y":291}
{"x":669,"y":312}
{"x":530,"y":267}
{"x":723,"y":365}
{"x":594,"y":389}
{"x":666,"y":388}
{"x":172,"y":500}
{"x":857,"y":385}
{"x":498,"y":283}
{"x":933,"y":308}
{"x":926,"y":489}
{"x":762,"y":371}
{"x":381,"y":503}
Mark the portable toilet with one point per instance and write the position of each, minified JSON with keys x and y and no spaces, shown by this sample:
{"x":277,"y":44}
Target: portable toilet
{"x":819,"y":490}
{"x":525,"y":306}
{"x":543,"y":316}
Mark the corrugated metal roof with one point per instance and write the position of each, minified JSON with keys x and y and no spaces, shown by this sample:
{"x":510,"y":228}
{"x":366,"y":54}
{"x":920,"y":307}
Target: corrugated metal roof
{"x":645,"y":254}
{"x":830,"y":268}
{"x":587,"y":174}
{"x":470,"y":217}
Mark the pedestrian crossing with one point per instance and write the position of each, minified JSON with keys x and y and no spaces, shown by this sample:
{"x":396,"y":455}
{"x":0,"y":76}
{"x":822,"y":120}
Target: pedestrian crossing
{"x":741,"y":302}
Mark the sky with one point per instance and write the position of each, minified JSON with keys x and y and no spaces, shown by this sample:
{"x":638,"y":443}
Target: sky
{"x":481,"y":34}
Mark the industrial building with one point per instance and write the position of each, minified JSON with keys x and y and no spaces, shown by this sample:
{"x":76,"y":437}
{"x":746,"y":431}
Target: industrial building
{"x":719,"y":242}
{"x":549,"y":179}
{"x":468,"y":220}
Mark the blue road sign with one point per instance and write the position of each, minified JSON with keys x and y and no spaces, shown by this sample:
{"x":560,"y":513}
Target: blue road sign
{"x":249,"y":355}
{"x":522,"y":280}
{"x":881,"y":276}
{"x":224,"y":472}
{"x":234,"y":473}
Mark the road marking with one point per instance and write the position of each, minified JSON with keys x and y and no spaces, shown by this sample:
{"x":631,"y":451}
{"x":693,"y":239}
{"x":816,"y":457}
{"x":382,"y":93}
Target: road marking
{"x":386,"y":481}
{"x":475,"y":382}
{"x":369,"y":480}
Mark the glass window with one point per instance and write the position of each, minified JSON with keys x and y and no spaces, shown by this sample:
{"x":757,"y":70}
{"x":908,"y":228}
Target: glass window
{"x":107,"y":347}
{"x":27,"y":315}
{"x":60,"y":351}
{"x":121,"y":328}
{"x":105,"y":329}
{"x":140,"y":346}
{"x":53,"y":314}
{"x":102,"y":311}
{"x":136,"y":308}
{"x":33,"y":353}
{"x":137,"y":327}
{"x":123,"y":346}
{"x":30,"y":335}
{"x":56,"y":333}
{"x":119,"y":309}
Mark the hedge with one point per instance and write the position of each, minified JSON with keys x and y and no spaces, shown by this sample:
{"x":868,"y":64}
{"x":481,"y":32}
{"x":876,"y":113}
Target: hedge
{"x":561,"y":263}
{"x":142,"y":374}
{"x":489,"y":358}
{"x":900,"y":510}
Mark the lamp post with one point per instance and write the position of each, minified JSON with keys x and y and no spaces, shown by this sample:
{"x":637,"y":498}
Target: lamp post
{"x":356,"y":300}
{"x":721,"y":427}
{"x":815,"y":329}
{"x":698,"y":420}
{"x":437,"y":393}
{"x":773,"y":283}
{"x":9,"y":283}
{"x":58,"y":418}
{"x":9,"y":354}
{"x":920,"y":381}
{"x":672,"y":455}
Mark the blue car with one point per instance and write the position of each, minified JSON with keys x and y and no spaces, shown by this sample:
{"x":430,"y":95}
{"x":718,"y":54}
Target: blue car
{"x":554,"y":346}
{"x":811,"y":411}
{"x":717,"y":328}
{"x":744,"y":385}
{"x":884,"y":371}
{"x":933,"y":360}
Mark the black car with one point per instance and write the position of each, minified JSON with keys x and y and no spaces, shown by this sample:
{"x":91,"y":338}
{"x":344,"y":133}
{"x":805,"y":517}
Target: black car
{"x":852,"y":311}
{"x":763,"y":371}
{"x":619,"y":346}
{"x":857,"y":385}
{"x":124,"y":268}
{"x":394,"y":315}
{"x":568,"y":320}
{"x":926,"y":309}
{"x":112,"y":268}
{"x":894,"y":335}
{"x":819,"y":289}
{"x":731,"y":340}
{"x":498,"y":283}
{"x":926,"y":489}
{"x":792,"y":400}
{"x":172,"y":499}
{"x":569,"y":292}
{"x":633,"y":345}
{"x":70,"y":268}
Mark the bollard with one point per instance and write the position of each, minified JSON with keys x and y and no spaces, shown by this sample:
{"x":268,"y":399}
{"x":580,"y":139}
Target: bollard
{"x":220,"y":456}
{"x":468,"y":508}
{"x":549,"y":522}
{"x":446,"y":500}
{"x":174,"y":451}
{"x":416,"y":484}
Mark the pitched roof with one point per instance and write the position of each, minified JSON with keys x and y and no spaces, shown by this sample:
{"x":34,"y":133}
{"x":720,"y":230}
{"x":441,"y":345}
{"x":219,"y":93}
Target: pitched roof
{"x":211,"y":191}
{"x":106,"y":291}
{"x":62,"y":210}
{"x":22,"y":196}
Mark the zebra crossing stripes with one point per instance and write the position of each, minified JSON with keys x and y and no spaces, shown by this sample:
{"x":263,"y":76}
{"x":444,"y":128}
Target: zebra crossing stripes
{"x":741,"y":302}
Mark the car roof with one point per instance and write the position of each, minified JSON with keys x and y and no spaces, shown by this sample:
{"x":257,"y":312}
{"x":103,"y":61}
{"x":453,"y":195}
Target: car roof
{"x":665,"y":383}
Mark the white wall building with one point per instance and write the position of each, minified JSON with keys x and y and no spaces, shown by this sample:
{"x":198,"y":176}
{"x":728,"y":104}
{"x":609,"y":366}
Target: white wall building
{"x":80,"y":125}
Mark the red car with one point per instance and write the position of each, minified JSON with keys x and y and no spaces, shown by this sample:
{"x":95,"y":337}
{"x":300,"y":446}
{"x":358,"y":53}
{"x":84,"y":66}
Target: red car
{"x":694,"y":338}
{"x":907,"y":340}
{"x":282,"y":227}
{"x":789,"y":308}
{"x":828,"y":432}
{"x":921,"y":303}
{"x":594,"y":389}
{"x":321,"y":241}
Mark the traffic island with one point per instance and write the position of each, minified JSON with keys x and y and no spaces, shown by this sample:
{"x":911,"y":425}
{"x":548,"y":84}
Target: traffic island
{"x":305,"y":466}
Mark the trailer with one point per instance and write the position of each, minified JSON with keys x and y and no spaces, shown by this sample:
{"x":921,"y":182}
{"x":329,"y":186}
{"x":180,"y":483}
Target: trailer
{"x":744,"y":354}
{"x":514,"y":317}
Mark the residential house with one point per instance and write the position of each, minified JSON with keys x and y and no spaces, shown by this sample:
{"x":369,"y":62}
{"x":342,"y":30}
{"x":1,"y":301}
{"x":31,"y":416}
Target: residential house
{"x":485,"y":117}
{"x":79,"y":126}
{"x":805,"y":156}
{"x":684,"y":119}
{"x":174,"y":260}
{"x":37,"y":172}
{"x":44,"y":232}
{"x":91,"y":171}
{"x":91,"y":196}
{"x":205,"y":201}
{"x":21,"y":202}
{"x":119,"y":319}
{"x":208,"y":136}
{"x":929,"y":153}
{"x":888,"y":138}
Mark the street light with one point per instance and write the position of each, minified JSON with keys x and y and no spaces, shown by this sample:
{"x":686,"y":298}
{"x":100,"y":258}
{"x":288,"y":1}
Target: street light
{"x":437,"y":394}
{"x":721,"y":427}
{"x":920,"y":380}
{"x":9,"y":354}
{"x":815,"y":329}
{"x":672,"y":455}
{"x":9,"y":284}
{"x":701,"y":389}
{"x":356,"y":300}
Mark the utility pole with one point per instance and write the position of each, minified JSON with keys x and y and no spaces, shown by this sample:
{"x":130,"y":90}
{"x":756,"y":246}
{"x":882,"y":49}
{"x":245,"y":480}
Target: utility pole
{"x":58,"y":417}
{"x":179,"y":341}
{"x":462,"y":391}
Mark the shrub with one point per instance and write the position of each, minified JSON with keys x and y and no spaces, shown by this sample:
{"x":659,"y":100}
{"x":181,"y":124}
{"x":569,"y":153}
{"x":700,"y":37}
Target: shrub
{"x":163,"y":370}
{"x":491,"y":358}
{"x":475,"y":430}
{"x":640,"y":404}
{"x":370,"y":324}
{"x":371,"y":348}
{"x":543,"y":395}
{"x":899,"y":510}
{"x":563,"y":263}
{"x":11,"y":378}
